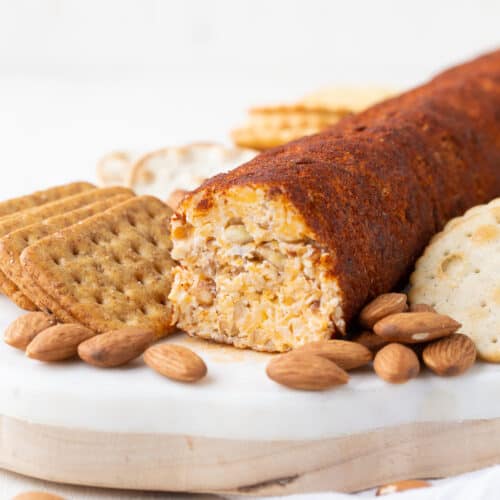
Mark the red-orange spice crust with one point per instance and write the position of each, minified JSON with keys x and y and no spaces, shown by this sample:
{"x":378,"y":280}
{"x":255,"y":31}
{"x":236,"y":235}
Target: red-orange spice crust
{"x":376,"y":186}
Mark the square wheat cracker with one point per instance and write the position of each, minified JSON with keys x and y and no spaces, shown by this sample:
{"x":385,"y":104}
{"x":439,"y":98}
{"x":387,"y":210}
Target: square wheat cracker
{"x":31,"y":216}
{"x":12,"y":245}
{"x":39,"y":198}
{"x":111,"y":270}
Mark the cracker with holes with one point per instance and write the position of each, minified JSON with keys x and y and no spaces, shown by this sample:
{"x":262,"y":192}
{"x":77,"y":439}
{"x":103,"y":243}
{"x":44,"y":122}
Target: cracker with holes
{"x":12,"y":245}
{"x":30,"y":216}
{"x":459,"y":274}
{"x":271,"y":126}
{"x":472,"y":211}
{"x":38,"y":198}
{"x":111,"y":270}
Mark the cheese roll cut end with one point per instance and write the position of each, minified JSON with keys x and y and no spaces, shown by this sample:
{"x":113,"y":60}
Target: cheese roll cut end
{"x":251,"y":273}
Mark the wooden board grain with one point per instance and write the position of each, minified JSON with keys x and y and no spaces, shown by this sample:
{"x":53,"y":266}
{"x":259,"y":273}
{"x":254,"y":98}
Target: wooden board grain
{"x":166,"y":462}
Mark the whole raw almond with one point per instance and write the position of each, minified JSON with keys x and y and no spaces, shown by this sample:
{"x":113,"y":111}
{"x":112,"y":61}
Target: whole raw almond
{"x":37,"y":495}
{"x":415,"y":327}
{"x":371,"y":341}
{"x":58,"y":342}
{"x":422,"y":308}
{"x":175,"y":362}
{"x":397,"y":486}
{"x":305,"y":371}
{"x":116,"y":347}
{"x":25,"y":328}
{"x":382,"y":306}
{"x":451,"y":355}
{"x":396,"y":363}
{"x":347,"y":355}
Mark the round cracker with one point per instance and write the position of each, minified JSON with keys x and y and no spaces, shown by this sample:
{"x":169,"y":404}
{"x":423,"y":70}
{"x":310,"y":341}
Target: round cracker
{"x":459,"y":275}
{"x":262,"y":138}
{"x":493,"y":204}
{"x":113,"y":168}
{"x":355,"y":98}
{"x":164,"y":171}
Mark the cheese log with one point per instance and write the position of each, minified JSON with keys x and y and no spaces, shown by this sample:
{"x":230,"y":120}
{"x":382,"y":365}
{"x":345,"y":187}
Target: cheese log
{"x":287,"y":248}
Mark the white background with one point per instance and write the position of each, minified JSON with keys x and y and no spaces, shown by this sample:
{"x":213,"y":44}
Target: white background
{"x":81,"y":77}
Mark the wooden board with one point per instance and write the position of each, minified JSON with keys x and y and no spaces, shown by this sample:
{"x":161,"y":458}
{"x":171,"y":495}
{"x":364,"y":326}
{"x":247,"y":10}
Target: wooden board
{"x":237,"y":431}
{"x":196,"y":464}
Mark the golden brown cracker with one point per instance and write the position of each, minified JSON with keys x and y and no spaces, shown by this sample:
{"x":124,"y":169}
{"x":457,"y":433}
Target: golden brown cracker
{"x":38,"y":214}
{"x":261,"y":139}
{"x":271,"y":126}
{"x":354,"y":98}
{"x":294,"y":116}
{"x":10,"y":289}
{"x":111,"y":270}
{"x":42,"y":197}
{"x":13,"y":244}
{"x":31,"y":216}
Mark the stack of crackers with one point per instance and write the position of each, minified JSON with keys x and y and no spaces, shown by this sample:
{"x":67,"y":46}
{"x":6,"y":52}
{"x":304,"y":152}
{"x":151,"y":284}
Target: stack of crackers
{"x":97,"y":257}
{"x":270,"y":126}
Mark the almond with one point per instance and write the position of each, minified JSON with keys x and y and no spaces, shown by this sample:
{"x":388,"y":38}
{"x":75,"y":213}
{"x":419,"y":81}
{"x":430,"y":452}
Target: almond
{"x":371,"y":341}
{"x":237,"y":233}
{"x":116,"y":347}
{"x":415,"y":327}
{"x":175,"y":362}
{"x":37,"y":495}
{"x":347,"y":355}
{"x":422,"y":308}
{"x":25,"y":328}
{"x":396,"y":363}
{"x":382,"y":306}
{"x":58,"y":342}
{"x":396,"y":487}
{"x":306,"y":371}
{"x":451,"y":355}
{"x":204,"y":292}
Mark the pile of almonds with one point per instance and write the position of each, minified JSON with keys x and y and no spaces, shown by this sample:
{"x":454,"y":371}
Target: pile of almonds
{"x":394,"y":336}
{"x":39,"y":335}
{"x":318,"y":365}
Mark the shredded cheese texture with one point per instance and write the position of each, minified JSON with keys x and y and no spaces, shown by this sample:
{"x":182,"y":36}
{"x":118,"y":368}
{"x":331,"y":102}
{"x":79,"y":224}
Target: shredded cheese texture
{"x":250,"y":273}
